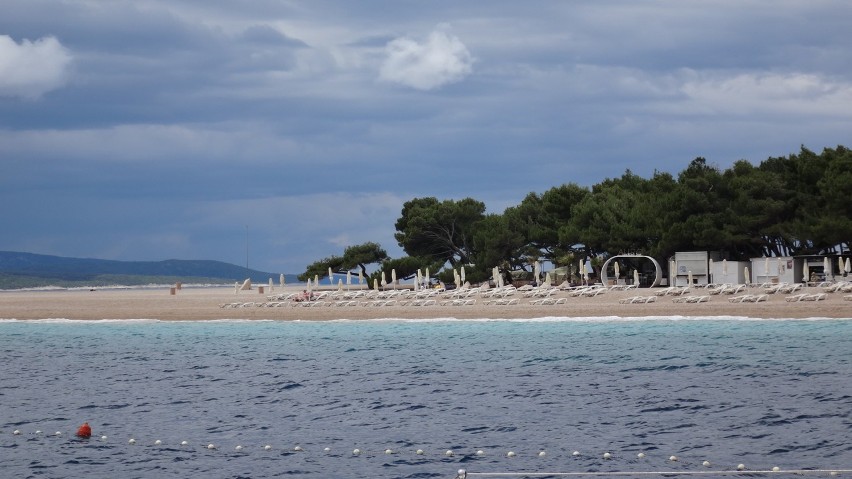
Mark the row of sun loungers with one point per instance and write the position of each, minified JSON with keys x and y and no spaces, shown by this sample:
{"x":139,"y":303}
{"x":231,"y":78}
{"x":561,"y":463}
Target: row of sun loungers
{"x":691,"y":299}
{"x":749,"y":298}
{"x":805,"y":297}
{"x":639,"y":300}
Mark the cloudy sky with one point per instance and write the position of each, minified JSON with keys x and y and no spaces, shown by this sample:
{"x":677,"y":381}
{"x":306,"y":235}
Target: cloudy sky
{"x":158,"y":129}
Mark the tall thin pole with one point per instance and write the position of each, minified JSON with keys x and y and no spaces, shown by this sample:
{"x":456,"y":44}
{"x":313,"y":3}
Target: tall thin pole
{"x":247,"y":268}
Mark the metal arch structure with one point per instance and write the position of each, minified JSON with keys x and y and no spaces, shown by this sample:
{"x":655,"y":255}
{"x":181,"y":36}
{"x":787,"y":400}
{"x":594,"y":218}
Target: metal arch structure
{"x":657,"y":277}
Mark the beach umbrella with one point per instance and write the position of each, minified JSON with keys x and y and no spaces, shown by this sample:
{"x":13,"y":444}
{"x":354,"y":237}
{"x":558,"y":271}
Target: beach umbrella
{"x":805,"y":272}
{"x":826,"y":267}
{"x":617,"y":272}
{"x":725,"y":269}
{"x":547,"y":279}
{"x":536,"y":270}
{"x":376,"y":284}
{"x":689,"y":277}
{"x":636,"y":277}
{"x":308,"y":286}
{"x":340,"y":284}
{"x":281,"y":279}
{"x":360,"y":277}
{"x":270,"y":284}
{"x":426,"y":278}
{"x":236,"y":287}
{"x":462,"y":274}
{"x":766,"y":267}
{"x":348,"y":279}
{"x":384,"y":280}
{"x":848,"y":267}
{"x":672,"y":273}
{"x":330,"y":276}
{"x":393,"y":277}
{"x":316,"y":280}
{"x":746,"y":275}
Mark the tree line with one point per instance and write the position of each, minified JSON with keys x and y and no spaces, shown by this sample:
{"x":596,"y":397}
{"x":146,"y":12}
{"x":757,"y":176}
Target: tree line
{"x":785,"y":206}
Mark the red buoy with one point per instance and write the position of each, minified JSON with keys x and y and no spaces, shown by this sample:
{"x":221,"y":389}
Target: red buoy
{"x":84,"y":430}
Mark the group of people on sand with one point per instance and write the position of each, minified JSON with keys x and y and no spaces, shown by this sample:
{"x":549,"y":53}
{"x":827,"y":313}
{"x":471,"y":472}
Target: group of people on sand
{"x":305,"y":296}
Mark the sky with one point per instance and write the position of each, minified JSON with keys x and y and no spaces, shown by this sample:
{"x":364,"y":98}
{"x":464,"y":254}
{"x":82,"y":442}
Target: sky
{"x":279,"y":132}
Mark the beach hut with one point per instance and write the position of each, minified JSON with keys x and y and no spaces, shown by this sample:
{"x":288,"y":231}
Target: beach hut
{"x":696,"y":262}
{"x":776,"y":269}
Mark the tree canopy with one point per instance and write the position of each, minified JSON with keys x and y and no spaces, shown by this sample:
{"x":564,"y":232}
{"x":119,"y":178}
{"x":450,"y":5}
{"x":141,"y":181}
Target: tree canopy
{"x":800,"y":204}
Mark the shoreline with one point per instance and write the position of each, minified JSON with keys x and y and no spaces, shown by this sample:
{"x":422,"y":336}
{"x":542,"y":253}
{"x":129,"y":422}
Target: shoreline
{"x":203,"y":303}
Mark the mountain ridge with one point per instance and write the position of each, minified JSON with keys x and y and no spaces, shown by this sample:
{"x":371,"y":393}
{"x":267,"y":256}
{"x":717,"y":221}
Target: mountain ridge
{"x":22,"y":269}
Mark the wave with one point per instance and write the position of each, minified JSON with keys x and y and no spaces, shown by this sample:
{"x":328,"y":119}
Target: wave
{"x":447,"y":319}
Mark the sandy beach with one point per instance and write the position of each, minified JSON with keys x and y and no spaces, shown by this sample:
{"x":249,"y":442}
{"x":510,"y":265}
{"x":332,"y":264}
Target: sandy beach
{"x":205,"y":304}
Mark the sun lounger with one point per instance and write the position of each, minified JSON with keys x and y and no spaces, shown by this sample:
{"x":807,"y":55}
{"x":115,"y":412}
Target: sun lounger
{"x":691,"y":299}
{"x":741,"y":299}
{"x":795,"y":298}
{"x":790,"y":288}
{"x":548,"y":301}
{"x":848,"y":297}
{"x":814,"y":297}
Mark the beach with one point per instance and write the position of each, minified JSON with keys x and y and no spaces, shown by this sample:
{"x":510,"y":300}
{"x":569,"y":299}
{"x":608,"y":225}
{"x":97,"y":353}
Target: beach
{"x":205,"y":303}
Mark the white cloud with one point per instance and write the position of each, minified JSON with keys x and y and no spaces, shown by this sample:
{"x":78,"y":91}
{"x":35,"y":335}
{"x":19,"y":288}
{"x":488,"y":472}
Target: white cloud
{"x":440,"y":60}
{"x":30,"y":69}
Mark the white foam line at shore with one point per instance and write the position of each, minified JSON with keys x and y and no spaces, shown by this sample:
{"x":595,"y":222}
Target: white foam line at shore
{"x":546,"y":319}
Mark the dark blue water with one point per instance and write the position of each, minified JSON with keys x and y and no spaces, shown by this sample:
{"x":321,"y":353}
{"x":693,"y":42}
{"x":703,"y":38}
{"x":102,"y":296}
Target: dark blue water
{"x":762,"y":393}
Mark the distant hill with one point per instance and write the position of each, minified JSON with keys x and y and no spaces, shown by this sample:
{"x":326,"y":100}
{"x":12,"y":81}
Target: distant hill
{"x":28,"y":270}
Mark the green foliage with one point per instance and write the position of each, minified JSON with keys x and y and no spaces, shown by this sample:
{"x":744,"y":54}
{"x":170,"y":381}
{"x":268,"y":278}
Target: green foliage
{"x":439,"y":230}
{"x":784,"y":206}
{"x":357,"y":256}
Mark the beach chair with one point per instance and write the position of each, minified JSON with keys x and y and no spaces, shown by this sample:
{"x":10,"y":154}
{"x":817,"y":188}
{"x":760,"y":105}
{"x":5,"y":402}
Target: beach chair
{"x":741,"y":299}
{"x":795,"y":298}
{"x":814,"y":297}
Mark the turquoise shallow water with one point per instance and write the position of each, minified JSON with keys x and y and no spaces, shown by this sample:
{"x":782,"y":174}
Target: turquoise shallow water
{"x":758,"y":392}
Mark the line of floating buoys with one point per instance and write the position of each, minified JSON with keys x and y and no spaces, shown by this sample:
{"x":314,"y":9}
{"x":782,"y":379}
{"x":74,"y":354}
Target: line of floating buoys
{"x":85,"y":432}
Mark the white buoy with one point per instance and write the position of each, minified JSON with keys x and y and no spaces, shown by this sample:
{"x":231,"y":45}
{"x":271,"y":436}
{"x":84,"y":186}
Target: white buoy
{"x":706,"y":463}
{"x":640,"y":455}
{"x":542,"y":454}
{"x":355,"y":452}
{"x":776,"y":469}
{"x":38,"y":432}
{"x":184,"y":443}
{"x":158,"y":442}
{"x":449,"y":453}
{"x":575,"y":453}
{"x":740,"y":467}
{"x":510,"y":454}
{"x":16,"y":432}
{"x":298,"y":448}
{"x":238,"y":448}
{"x":267,"y":447}
{"x":103,"y":438}
{"x":388,"y":451}
{"x":419,"y":452}
{"x":480,"y":452}
{"x":57,"y":434}
{"x":328,"y":449}
{"x":131,"y":441}
{"x":673,"y":458}
{"x":607,"y":455}
{"x":211,"y":446}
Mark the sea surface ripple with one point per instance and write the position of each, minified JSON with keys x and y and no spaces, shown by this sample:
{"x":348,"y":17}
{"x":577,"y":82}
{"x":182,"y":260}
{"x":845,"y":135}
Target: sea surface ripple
{"x":762,"y":393}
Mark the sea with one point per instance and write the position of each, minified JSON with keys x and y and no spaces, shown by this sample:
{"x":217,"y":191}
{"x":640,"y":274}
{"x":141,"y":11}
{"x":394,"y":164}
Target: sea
{"x":423,"y":398}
